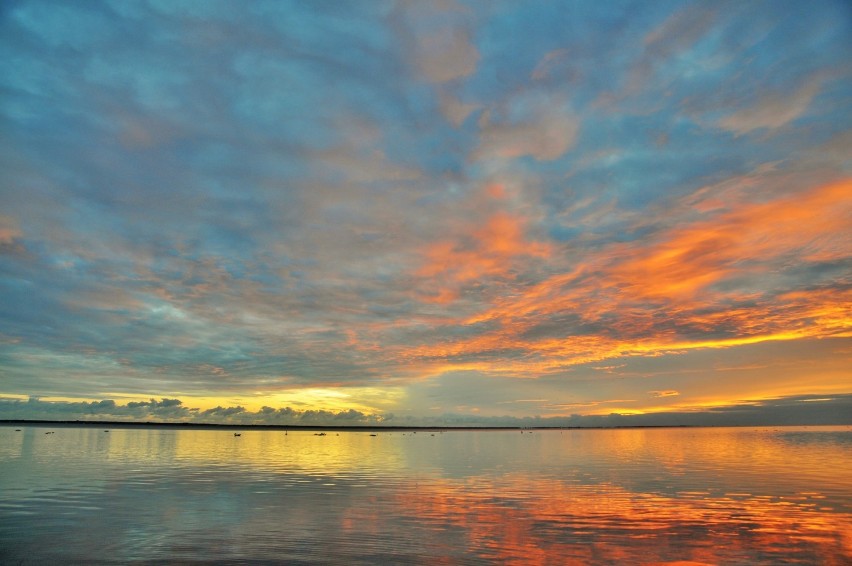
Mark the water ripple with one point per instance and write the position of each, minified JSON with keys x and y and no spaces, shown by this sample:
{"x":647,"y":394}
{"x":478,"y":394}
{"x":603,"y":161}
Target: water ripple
{"x":708,"y":495}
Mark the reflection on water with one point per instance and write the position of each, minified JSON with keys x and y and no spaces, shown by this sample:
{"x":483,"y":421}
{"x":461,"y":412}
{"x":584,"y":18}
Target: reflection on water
{"x":590,"y":496}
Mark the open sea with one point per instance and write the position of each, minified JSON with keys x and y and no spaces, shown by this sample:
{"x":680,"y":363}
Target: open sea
{"x":620,"y":496}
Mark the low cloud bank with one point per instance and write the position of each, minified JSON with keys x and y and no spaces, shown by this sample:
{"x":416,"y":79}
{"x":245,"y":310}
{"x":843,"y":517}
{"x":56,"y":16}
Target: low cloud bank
{"x":798,"y":410}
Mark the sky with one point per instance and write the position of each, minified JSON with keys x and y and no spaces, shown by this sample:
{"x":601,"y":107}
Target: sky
{"x":441,"y":212}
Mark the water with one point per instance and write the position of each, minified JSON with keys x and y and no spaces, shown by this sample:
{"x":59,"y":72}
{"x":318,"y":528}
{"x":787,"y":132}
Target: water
{"x":149,"y":495}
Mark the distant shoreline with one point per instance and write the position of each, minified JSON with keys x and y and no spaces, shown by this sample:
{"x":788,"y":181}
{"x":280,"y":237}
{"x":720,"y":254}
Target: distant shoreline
{"x":343,"y":428}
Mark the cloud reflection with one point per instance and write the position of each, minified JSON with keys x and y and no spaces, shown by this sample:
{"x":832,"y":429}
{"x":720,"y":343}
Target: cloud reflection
{"x":256,"y":206}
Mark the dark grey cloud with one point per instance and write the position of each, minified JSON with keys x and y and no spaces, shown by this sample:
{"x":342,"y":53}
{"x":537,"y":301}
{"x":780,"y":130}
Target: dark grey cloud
{"x":170,"y":410}
{"x":794,"y":410}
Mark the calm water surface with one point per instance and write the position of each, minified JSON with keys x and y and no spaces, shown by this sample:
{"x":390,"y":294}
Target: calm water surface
{"x":713,"y":496}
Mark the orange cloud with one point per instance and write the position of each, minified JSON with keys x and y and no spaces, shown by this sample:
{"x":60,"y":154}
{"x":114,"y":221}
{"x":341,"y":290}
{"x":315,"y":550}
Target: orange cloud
{"x":683,"y":262}
{"x":710,"y":284}
{"x":9,"y":229}
{"x":490,"y":250}
{"x":666,"y":393}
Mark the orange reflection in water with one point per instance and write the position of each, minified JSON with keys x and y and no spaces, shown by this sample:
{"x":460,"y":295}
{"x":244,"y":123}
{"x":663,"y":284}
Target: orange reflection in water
{"x":544,"y":521}
{"x":711,"y":496}
{"x":746,"y":496}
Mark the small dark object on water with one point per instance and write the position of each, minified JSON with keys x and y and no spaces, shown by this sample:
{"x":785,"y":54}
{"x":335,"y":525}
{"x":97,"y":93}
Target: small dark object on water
{"x":237,"y":434}
{"x":372,"y":435}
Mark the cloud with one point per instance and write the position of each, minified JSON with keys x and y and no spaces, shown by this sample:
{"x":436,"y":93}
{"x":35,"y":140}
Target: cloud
{"x":551,"y":60}
{"x":11,"y":237}
{"x":221,"y":414}
{"x":171,"y":410}
{"x":790,"y":410}
{"x":154,"y":404}
{"x":666,"y":393}
{"x":313,"y":417}
{"x":677,"y":34}
{"x":9,"y":230}
{"x":250,"y":205}
{"x":455,"y":110}
{"x":494,"y":248}
{"x":680,"y":31}
{"x":535,"y":125}
{"x":708,"y":284}
{"x":692,"y":258}
{"x":446,"y":55}
{"x":490,"y":251}
{"x":174,"y":411}
{"x":773,"y":110}
{"x":359,"y":166}
{"x":443,"y":50}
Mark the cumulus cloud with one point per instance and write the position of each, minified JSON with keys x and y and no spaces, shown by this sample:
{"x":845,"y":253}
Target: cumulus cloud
{"x":800,"y":409}
{"x":171,"y":410}
{"x":220,"y":413}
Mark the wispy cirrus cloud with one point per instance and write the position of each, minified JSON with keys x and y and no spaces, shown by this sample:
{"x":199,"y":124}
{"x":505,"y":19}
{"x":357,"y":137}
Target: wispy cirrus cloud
{"x":537,"y":125}
{"x":666,"y":393}
{"x":773,"y":110}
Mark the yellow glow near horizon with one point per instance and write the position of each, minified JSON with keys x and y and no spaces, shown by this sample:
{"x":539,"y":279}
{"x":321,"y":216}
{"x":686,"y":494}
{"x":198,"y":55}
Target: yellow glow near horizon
{"x":365,"y":399}
{"x":765,"y":382}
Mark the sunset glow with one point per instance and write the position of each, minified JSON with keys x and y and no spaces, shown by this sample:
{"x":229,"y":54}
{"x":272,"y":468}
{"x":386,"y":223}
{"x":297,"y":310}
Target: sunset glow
{"x":425,"y":212}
